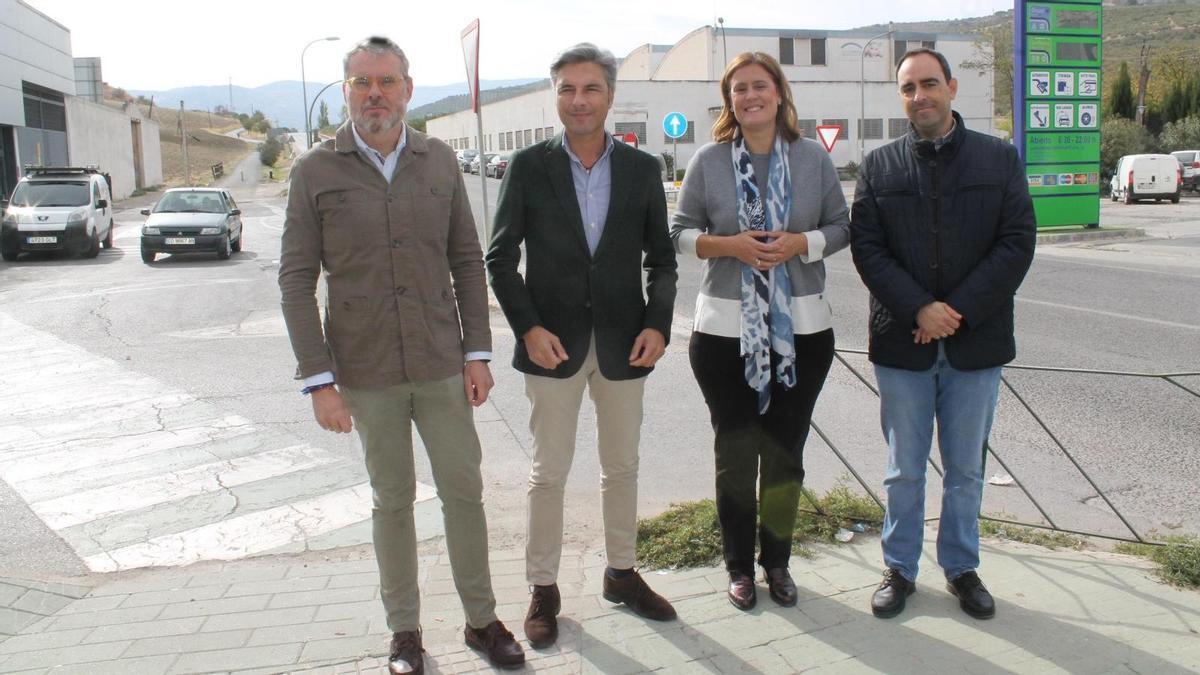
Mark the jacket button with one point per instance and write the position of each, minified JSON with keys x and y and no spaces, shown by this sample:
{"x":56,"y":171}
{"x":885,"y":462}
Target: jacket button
{"x":401,"y":290}
{"x":933,"y":266}
{"x":346,"y":304}
{"x":587,"y":304}
{"x":397,"y":243}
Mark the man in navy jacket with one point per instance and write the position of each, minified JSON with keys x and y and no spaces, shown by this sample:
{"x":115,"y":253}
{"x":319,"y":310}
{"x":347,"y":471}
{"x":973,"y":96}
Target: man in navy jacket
{"x":942,"y":233}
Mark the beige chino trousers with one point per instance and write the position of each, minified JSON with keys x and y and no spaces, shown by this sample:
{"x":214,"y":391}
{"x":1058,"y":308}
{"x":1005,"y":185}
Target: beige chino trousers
{"x":553,"y":422}
{"x":384,"y":418}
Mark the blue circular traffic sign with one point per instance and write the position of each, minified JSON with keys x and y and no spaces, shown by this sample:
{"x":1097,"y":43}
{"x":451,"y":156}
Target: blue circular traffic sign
{"x":675,"y":125}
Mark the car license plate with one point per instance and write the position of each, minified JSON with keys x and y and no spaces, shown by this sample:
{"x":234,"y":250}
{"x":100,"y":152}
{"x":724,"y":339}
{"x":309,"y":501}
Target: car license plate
{"x":42,"y":240}
{"x":180,"y":241}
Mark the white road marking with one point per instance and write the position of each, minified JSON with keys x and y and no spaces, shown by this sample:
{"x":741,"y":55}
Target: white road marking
{"x":89,"y":444}
{"x":1114,"y":315}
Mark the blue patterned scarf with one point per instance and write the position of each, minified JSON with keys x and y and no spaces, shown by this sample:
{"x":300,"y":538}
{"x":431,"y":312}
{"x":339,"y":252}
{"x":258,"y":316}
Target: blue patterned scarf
{"x":766,"y":295}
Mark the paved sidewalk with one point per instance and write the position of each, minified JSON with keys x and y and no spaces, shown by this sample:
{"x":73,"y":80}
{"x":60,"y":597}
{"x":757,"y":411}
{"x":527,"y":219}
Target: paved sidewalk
{"x":1058,"y":611}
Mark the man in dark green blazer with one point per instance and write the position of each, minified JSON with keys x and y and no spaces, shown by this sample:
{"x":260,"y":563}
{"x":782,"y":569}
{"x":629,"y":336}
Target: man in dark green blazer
{"x":592,"y":216}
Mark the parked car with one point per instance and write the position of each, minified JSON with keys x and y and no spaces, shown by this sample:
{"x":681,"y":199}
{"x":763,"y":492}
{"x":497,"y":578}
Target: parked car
{"x":1189,"y":160}
{"x":67,"y":209}
{"x":1150,"y":176}
{"x":498,"y":165}
{"x":189,"y":220}
{"x":464,"y":159}
{"x":487,"y":157}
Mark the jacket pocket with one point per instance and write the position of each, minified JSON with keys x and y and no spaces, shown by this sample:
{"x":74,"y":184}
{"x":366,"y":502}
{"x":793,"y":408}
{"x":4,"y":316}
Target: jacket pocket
{"x":431,"y":209}
{"x":350,"y":330}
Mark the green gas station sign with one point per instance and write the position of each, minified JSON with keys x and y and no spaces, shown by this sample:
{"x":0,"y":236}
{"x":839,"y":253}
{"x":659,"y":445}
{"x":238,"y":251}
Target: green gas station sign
{"x":1058,"y":108}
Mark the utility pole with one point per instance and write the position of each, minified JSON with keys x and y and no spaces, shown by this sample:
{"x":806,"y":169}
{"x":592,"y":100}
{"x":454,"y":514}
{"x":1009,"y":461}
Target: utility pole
{"x":1143,"y":81}
{"x":187,"y":168}
{"x":230,"y":94}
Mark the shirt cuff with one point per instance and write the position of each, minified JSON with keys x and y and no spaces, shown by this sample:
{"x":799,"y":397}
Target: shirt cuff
{"x":816,"y":246}
{"x":478,"y":356}
{"x":319,"y":378}
{"x":687,"y":241}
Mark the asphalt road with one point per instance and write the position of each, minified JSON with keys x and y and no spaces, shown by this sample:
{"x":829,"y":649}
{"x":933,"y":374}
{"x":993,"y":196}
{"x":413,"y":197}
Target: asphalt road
{"x":206,"y":335}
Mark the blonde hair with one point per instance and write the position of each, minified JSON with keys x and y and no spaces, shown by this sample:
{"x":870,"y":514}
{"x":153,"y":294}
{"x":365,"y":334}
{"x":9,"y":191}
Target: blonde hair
{"x":726,"y":126}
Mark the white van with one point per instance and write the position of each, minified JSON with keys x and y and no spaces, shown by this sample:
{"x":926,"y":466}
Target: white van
{"x":57,"y":208}
{"x":1156,"y":177}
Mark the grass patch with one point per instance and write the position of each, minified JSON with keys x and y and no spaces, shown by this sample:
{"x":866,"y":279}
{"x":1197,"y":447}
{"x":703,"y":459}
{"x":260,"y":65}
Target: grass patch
{"x":1028,"y":535}
{"x":688,"y":534}
{"x":1178,"y":561}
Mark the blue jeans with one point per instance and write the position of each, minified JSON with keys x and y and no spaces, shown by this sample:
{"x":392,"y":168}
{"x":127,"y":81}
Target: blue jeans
{"x":963,"y":403}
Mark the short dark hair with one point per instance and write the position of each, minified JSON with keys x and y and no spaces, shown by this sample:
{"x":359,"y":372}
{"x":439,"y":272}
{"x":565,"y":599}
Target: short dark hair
{"x":926,"y":50}
{"x":377,"y":45}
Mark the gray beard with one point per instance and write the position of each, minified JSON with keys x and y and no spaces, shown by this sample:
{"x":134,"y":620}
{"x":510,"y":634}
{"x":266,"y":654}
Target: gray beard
{"x":375,"y":125}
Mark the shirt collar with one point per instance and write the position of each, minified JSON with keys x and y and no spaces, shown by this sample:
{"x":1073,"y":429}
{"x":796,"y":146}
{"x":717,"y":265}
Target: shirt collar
{"x":941,"y":140}
{"x":362,"y":145}
{"x":608,"y":148}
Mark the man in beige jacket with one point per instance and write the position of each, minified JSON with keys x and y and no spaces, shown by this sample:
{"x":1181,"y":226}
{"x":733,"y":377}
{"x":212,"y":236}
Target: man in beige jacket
{"x":383,"y":210}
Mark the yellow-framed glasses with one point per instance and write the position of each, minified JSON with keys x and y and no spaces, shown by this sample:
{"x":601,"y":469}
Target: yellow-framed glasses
{"x":363,"y":83}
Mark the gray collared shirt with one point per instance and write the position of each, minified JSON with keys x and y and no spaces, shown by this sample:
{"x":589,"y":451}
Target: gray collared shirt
{"x":593,"y":190}
{"x":386,"y":165}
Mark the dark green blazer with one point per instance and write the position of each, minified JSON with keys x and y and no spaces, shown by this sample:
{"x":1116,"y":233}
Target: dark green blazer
{"x":566,"y":290}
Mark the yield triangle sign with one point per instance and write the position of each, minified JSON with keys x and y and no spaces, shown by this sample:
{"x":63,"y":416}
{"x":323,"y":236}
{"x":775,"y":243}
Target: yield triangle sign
{"x":829,"y":134}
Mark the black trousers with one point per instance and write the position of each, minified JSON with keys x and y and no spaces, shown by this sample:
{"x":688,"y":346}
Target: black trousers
{"x":766,"y":449}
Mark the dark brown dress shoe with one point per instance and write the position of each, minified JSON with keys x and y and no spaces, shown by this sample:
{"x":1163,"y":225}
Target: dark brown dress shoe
{"x":404,"y":657}
{"x":888,"y":600}
{"x":972,"y":595}
{"x":636,"y":595}
{"x":783,"y":589}
{"x":742,"y":592}
{"x":541,"y":628}
{"x":497,"y":644}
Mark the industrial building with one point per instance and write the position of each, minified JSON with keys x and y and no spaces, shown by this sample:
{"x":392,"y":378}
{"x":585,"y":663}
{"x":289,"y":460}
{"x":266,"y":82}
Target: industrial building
{"x":51,"y":112}
{"x":844,"y":78}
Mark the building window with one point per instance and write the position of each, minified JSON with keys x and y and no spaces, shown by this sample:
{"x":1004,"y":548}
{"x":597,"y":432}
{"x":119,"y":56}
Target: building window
{"x":549,"y":132}
{"x":636,"y":128}
{"x":808,"y":128}
{"x":688,"y":137}
{"x":787,"y":53}
{"x":870,"y":129}
{"x":928,"y":44}
{"x":44,"y":108}
{"x":843,"y":134}
{"x":897,"y":127}
{"x":508,"y":137}
{"x":537,"y":135}
{"x":529,"y":137}
{"x":903,"y":46}
{"x":817,"y":51}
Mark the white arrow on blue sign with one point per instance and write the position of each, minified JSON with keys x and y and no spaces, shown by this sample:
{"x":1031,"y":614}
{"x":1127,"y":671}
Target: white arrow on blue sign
{"x":675,"y":125}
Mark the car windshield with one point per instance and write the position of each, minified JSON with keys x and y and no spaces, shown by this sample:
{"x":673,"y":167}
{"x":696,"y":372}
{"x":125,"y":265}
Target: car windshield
{"x":51,"y":193}
{"x":1185,"y":156}
{"x":190,"y":202}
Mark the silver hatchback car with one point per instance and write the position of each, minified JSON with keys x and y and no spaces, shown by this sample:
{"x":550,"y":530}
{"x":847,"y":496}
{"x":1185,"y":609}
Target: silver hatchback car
{"x":189,"y":220}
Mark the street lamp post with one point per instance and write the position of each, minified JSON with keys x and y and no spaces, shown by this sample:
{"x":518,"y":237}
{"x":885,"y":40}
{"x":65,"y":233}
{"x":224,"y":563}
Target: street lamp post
{"x":862,"y":97}
{"x":724,"y":51}
{"x":304,"y":88}
{"x":308,"y":113}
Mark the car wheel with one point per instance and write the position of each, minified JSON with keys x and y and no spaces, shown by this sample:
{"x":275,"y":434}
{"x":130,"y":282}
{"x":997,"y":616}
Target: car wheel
{"x":224,"y":250}
{"x":1129,"y":197}
{"x":148,"y":256}
{"x":108,"y":239}
{"x":1114,"y":196}
{"x":9,"y":253}
{"x":93,"y":248}
{"x":236,"y":246}
{"x":1175,"y":198}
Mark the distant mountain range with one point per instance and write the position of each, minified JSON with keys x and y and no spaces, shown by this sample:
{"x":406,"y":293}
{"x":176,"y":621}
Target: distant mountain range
{"x":281,"y":101}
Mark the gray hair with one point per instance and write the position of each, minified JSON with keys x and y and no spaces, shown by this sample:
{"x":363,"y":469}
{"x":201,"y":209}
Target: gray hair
{"x":586,"y":52}
{"x":377,"y":45}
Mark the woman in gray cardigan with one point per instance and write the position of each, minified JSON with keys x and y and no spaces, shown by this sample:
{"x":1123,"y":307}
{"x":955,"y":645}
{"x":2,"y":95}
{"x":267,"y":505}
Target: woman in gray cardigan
{"x":762,"y":207}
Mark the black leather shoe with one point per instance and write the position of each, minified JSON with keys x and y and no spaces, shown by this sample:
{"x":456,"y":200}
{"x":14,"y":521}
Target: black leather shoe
{"x":404,"y":657}
{"x":636,"y":595}
{"x":888,"y":600}
{"x":781,"y":586}
{"x":541,"y":626}
{"x":742,"y":593}
{"x":497,"y":643}
{"x":972,"y":595}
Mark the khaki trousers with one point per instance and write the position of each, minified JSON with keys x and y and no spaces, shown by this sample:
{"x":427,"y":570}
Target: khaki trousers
{"x":384,"y":418}
{"x":553,"y":421}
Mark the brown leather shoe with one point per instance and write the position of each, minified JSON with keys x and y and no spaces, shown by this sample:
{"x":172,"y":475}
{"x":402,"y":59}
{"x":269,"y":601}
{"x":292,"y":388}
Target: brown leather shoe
{"x":497,"y":643}
{"x":783,"y":589}
{"x":541,"y":628}
{"x":405,"y":653}
{"x":636,"y":595}
{"x":742,"y":593}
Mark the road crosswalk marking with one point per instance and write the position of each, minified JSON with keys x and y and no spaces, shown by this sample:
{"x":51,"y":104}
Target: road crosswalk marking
{"x":100,"y":453}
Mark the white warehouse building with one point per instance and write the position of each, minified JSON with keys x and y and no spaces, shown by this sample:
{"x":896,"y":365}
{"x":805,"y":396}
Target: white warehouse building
{"x":831,"y":75}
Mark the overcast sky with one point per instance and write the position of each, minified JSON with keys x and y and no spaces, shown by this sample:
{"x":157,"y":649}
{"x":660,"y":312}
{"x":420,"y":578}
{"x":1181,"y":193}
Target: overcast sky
{"x":157,"y":45}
